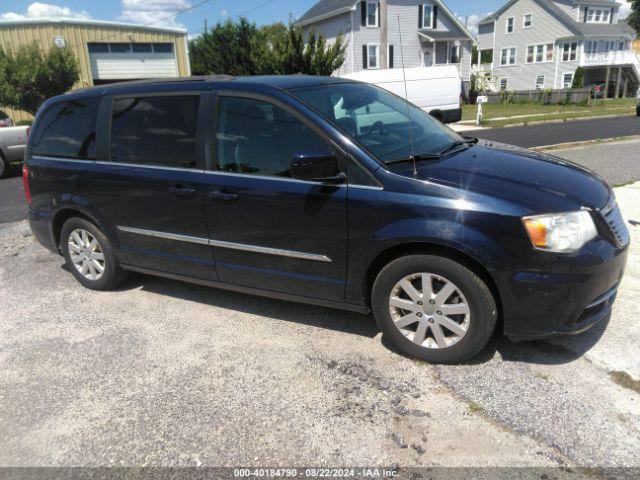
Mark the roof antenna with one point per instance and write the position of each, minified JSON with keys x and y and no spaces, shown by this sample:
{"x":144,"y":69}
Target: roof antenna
{"x":406,"y":97}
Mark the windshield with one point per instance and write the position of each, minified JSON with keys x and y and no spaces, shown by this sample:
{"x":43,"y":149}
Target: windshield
{"x":383,"y":123}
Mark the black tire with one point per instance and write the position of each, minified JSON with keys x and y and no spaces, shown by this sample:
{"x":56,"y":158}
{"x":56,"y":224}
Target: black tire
{"x":112,"y":275}
{"x":482,"y":306}
{"x":4,"y":166}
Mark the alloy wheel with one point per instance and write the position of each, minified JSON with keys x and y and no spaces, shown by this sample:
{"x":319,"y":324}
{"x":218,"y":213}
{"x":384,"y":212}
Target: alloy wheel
{"x":429,"y":310}
{"x":86,"y":254}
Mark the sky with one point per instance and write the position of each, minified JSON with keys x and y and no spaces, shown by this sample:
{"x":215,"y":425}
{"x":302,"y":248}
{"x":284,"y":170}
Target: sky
{"x":167,"y":12}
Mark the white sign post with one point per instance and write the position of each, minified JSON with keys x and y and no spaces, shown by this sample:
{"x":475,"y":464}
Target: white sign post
{"x":482,"y":99}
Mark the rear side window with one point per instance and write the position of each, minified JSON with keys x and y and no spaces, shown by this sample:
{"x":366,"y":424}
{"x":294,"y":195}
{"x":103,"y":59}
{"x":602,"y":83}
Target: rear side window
{"x":68,"y":130}
{"x":155,"y":131}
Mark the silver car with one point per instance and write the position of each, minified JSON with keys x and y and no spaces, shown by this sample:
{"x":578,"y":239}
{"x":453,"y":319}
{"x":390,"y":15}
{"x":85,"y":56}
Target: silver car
{"x":13,"y":143}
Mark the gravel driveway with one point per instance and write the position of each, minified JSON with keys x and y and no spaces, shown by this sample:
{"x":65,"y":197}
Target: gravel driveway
{"x":166,"y":373}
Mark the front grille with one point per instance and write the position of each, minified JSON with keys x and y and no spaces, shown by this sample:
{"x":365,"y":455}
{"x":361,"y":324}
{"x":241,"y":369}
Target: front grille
{"x":614,"y":219}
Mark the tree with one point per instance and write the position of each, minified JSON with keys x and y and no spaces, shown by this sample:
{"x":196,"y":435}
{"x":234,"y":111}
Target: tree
{"x":230,"y":48}
{"x":634,"y":17}
{"x":578,"y":78}
{"x":243,"y":49}
{"x":29,"y":76}
{"x":313,"y":56}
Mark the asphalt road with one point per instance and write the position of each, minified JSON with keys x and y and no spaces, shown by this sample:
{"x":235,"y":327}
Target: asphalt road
{"x":555,"y":133}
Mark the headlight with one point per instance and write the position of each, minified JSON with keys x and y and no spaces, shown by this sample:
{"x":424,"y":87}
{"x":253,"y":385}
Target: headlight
{"x":562,"y":232}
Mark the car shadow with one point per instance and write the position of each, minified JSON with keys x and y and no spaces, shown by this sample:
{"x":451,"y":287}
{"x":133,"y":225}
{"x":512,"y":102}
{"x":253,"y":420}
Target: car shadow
{"x":557,"y":350}
{"x":553,"y":351}
{"x":321,"y":317}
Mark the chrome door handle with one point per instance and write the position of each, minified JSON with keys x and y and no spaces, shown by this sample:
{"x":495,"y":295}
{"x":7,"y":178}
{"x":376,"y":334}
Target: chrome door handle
{"x":180,"y":191}
{"x":223,"y":195}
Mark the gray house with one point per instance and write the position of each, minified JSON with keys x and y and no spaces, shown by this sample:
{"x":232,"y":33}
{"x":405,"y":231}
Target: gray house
{"x":431,"y":33}
{"x":539,"y":44}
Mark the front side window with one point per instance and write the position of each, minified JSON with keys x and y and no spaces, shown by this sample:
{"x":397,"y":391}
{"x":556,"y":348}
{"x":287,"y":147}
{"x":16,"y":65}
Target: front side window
{"x":373,"y":53}
{"x":157,"y":131}
{"x":68,"y":130}
{"x":372,"y":14}
{"x":510,"y":23}
{"x":508,"y":56}
{"x":258,"y":138}
{"x":378,"y":120}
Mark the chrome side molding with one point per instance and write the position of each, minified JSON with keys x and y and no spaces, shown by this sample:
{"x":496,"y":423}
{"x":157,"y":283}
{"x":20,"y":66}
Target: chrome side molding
{"x":228,"y":245}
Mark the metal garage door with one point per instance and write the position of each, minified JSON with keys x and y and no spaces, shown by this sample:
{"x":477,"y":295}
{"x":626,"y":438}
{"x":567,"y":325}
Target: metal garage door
{"x":124,"y":61}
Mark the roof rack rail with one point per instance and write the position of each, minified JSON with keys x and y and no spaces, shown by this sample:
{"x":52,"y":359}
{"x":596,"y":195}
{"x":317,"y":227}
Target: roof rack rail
{"x":152,"y":81}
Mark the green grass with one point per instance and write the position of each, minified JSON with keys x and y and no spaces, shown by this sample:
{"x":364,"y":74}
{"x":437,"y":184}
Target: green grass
{"x":526,"y":112}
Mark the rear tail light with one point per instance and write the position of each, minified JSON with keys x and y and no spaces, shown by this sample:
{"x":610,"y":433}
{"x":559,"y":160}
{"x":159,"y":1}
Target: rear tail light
{"x":25,"y":183}
{"x":28,"y":132}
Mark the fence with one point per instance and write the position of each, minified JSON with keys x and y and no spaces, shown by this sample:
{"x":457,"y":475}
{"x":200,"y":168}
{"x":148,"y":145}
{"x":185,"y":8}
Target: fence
{"x":548,"y":97}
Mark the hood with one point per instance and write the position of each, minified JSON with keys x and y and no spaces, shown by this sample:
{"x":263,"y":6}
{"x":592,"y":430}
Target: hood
{"x":538,"y":182}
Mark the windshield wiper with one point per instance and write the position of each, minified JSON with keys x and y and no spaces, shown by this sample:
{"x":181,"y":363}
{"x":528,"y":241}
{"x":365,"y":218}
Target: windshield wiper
{"x":468,"y":141}
{"x":420,"y":156}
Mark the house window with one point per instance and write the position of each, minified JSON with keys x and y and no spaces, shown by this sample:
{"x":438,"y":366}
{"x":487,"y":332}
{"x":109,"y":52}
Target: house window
{"x":540,"y":53}
{"x":567,"y":80}
{"x":427,"y":16}
{"x":373,"y":56}
{"x":508,"y":56}
{"x":598,"y":15}
{"x":372,"y":14}
{"x":527,"y":20}
{"x":510,"y":23}
{"x":454,"y":53}
{"x":504,"y":83}
{"x":539,"y":82}
{"x":592,"y":47}
{"x":569,"y":51}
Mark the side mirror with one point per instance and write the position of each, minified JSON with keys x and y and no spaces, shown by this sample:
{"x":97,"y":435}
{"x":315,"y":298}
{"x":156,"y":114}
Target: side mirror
{"x":317,"y":167}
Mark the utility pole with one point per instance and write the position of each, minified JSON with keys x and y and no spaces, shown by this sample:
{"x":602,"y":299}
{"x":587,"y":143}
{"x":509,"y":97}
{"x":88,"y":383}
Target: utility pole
{"x":384,"y":35}
{"x":205,"y":26}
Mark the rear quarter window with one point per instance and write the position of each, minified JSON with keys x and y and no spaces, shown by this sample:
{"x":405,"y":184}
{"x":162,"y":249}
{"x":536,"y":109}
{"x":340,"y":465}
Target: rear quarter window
{"x":68,"y":130}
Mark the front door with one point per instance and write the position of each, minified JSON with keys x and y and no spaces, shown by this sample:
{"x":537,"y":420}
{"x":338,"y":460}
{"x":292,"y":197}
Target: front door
{"x":269,"y":231}
{"x":151,"y":191}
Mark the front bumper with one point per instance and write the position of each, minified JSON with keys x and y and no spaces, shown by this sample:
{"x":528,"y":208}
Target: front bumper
{"x":571,"y":295}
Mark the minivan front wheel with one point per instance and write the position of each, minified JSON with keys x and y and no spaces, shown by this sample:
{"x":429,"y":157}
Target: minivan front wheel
{"x":433,"y":308}
{"x":89,"y":255}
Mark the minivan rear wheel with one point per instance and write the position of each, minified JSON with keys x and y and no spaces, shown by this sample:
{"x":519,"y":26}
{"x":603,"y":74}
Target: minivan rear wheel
{"x":89,"y":255}
{"x":433,"y":308}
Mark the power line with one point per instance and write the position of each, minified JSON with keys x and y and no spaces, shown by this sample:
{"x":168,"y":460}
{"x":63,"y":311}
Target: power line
{"x":264,"y":4}
{"x":174,"y":15}
{"x":237,"y":15}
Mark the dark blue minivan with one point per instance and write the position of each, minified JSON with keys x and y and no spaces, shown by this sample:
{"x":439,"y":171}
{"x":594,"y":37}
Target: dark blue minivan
{"x":330,"y":192}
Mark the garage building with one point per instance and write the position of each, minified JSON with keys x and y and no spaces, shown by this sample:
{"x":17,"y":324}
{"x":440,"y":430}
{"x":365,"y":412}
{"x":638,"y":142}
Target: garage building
{"x":106,"y":51}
